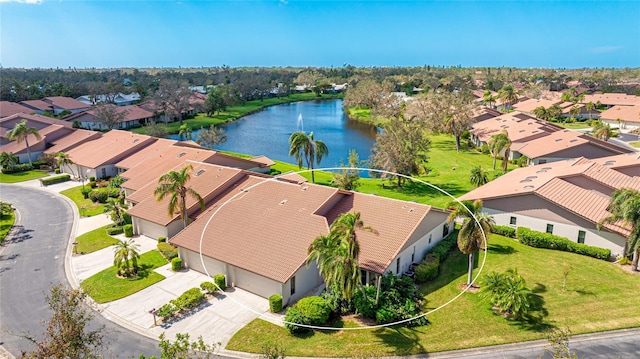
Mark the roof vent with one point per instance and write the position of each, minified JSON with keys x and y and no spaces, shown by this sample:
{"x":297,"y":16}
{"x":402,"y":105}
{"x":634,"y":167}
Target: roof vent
{"x":574,"y":140}
{"x":136,"y":140}
{"x":283,"y":202}
{"x":546,"y":168}
{"x":304,"y":188}
{"x":525,"y":180}
{"x":609,"y":163}
{"x":181,"y":154}
{"x":558,"y":139}
{"x":531,"y":177}
{"x":528,"y":187}
{"x":199,"y":172}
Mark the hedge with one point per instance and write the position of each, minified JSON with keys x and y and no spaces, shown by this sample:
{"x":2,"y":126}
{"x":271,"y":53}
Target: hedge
{"x":546,"y":240}
{"x":505,"y":231}
{"x":310,"y":311}
{"x":208,"y":287}
{"x":128,"y":230}
{"x":162,"y":239}
{"x":22,"y":167}
{"x":55,"y":179}
{"x":102,"y":194}
{"x":167,"y":250}
{"x":190,"y":299}
{"x":427,"y":269}
{"x":176,"y":264}
{"x":220,"y":280}
{"x":114,"y":230}
{"x":442,"y":249}
{"x":275,"y":303}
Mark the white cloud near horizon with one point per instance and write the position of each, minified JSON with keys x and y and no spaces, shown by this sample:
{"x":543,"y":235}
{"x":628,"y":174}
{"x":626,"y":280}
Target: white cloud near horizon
{"x":34,"y":2}
{"x":605,"y":49}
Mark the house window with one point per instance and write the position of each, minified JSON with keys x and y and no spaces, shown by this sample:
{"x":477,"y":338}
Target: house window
{"x":293,"y":285}
{"x":541,"y":162}
{"x":363,"y":276}
{"x":104,"y":172}
{"x":430,"y":235}
{"x":550,"y":228}
{"x":413,"y":255}
{"x":445,"y":230}
{"x":512,"y":221}
{"x":581,"y":235}
{"x":398,"y":266}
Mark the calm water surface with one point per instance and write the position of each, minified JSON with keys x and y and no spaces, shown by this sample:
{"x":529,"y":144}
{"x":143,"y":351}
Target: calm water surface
{"x":267,"y":132}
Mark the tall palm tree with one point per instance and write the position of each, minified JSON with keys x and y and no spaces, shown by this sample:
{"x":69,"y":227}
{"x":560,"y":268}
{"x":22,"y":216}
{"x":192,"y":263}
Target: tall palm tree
{"x":325,"y":251}
{"x":478,"y":176}
{"x":20,"y":132}
{"x":305,"y":147}
{"x":508,"y":96}
{"x":126,"y":256}
{"x":541,"y":113}
{"x":590,"y":106}
{"x":625,"y":206}
{"x":488,"y":98}
{"x":475,"y":222}
{"x":116,"y":208}
{"x":63,"y":159}
{"x":185,"y":131}
{"x":174,"y":184}
{"x":601,"y":130}
{"x":7,"y":159}
{"x":500,"y":143}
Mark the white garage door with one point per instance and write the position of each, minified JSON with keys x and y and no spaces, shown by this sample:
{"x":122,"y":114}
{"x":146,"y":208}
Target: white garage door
{"x":256,"y":284}
{"x":193,"y":262}
{"x":151,"y":229}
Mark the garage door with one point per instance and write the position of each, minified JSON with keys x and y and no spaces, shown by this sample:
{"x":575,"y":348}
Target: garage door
{"x":256,"y":284}
{"x":150,"y":229}
{"x":193,"y":262}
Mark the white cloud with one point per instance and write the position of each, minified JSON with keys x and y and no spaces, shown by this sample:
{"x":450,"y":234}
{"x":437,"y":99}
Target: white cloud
{"x":37,"y":2}
{"x":605,"y":49}
{"x":284,"y":2}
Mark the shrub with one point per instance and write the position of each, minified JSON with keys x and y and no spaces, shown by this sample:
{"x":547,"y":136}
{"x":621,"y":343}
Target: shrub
{"x":85,"y":192}
{"x":166,"y":311}
{"x":505,"y":231}
{"x":294,"y":315}
{"x":310,"y":311}
{"x":126,"y":218}
{"x":190,"y":299}
{"x":507,"y":292}
{"x":128,"y":230}
{"x":442,"y":249}
{"x":427,"y":269}
{"x":113,"y":230}
{"x":55,"y":179}
{"x":167,"y":250}
{"x":366,"y":307}
{"x":176,"y":264}
{"x":57,"y":171}
{"x":546,"y":240}
{"x":484,"y":148}
{"x":220,"y":280}
{"x":92,"y":179}
{"x":208,"y":287}
{"x":22,"y":167}
{"x":162,"y":239}
{"x":102,"y":194}
{"x":275,"y":303}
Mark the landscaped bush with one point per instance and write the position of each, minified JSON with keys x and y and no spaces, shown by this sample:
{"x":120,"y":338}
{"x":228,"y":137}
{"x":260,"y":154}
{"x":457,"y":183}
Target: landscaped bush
{"x":208,"y":287}
{"x":92,"y":179}
{"x":190,"y":299}
{"x":275,"y":303}
{"x":162,"y":239}
{"x":176,"y":264}
{"x":126,"y":218}
{"x":167,"y":250}
{"x":294,"y":315}
{"x":55,"y":179}
{"x":427,"y":269}
{"x":442,"y":249}
{"x":220,"y":280}
{"x":22,"y":167}
{"x":102,"y":194}
{"x":338,"y":304}
{"x":128,"y":230}
{"x":166,"y":311}
{"x":113,"y":230}
{"x":310,"y":311}
{"x":85,"y":191}
{"x":57,"y":171}
{"x":507,"y":293}
{"x":505,"y":231}
{"x":546,"y":240}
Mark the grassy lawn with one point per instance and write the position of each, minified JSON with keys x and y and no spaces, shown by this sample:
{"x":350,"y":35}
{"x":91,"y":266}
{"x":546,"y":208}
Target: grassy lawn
{"x":22,"y":176}
{"x":90,"y":208}
{"x":596,"y":299}
{"x":575,"y":125}
{"x":635,"y":144}
{"x":450,"y":171}
{"x":6,"y":222}
{"x":94,"y":240}
{"x":105,"y":286}
{"x":235,"y":112}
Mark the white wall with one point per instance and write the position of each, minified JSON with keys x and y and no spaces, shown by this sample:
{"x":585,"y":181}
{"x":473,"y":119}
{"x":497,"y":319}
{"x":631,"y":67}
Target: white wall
{"x":421,"y":246}
{"x":147,"y":228}
{"x":306,"y":280}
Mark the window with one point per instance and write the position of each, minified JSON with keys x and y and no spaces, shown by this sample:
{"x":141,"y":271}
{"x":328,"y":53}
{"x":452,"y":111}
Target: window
{"x":550,"y":228}
{"x":581,"y":235}
{"x":430,"y":235}
{"x":541,"y":162}
{"x":104,"y":172}
{"x":413,"y":255}
{"x":293,"y":285}
{"x":445,"y":230}
{"x":398,"y":266}
{"x":363,"y":276}
{"x":512,"y":221}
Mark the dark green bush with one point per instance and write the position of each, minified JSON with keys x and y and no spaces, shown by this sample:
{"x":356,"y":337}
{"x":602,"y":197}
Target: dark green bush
{"x":427,"y":269}
{"x":166,"y":311}
{"x":310,"y":311}
{"x":546,"y":240}
{"x":57,"y":171}
{"x":338,"y":304}
{"x":190,"y":299}
{"x":220,"y":280}
{"x":442,"y":249}
{"x":366,"y":306}
{"x":127,"y":218}
{"x":162,"y":239}
{"x":176,"y":264}
{"x":92,"y":179}
{"x":113,"y":230}
{"x":85,"y":191}
{"x":102,"y":194}
{"x":55,"y":179}
{"x":209,"y":287}
{"x":167,"y":250}
{"x":128,"y":230}
{"x":275,"y":303}
{"x":505,"y":231}
{"x":294,"y":315}
{"x":22,"y":167}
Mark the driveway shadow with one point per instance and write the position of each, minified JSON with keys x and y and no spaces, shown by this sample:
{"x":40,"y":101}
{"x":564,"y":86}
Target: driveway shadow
{"x":17,"y":235}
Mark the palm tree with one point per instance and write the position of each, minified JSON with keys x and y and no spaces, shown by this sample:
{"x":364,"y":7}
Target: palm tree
{"x":625,"y":207}
{"x":500,"y":143}
{"x":325,"y":251}
{"x":185,"y":131}
{"x":476,"y":224}
{"x":305,"y":147}
{"x":541,"y":113}
{"x":174,"y":184}
{"x":488,"y":98}
{"x":590,"y":106}
{"x":602,"y":130}
{"x":7,"y":159}
{"x":63,"y":159}
{"x":478,"y":176}
{"x":508,"y":96}
{"x":21,"y":132}
{"x":116,"y":209}
{"x":126,"y":256}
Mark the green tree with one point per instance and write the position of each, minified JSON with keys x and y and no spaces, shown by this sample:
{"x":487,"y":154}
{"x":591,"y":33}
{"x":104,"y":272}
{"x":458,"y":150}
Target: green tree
{"x":541,"y":113}
{"x":20,"y":133}
{"x":507,"y":292}
{"x":554,"y":111}
{"x":156,"y":129}
{"x":211,"y":137}
{"x":62,"y":160}
{"x":5,"y":208}
{"x":110,"y":115}
{"x":7,"y":159}
{"x":478,"y":176}
{"x":183,"y":348}
{"x":625,"y":208}
{"x":601,"y":130}
{"x":116,"y":208}
{"x":590,"y":106}
{"x":348,"y":179}
{"x":489,"y":98}
{"x":500,"y":143}
{"x":185,"y":132}
{"x":67,"y":333}
{"x":305,"y":148}
{"x":508,"y":96}
{"x":174,"y":184}
{"x":476,"y":224}
{"x":125,"y":257}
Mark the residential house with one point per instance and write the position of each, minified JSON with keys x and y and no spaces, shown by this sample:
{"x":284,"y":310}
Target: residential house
{"x":612,"y":99}
{"x":567,"y":198}
{"x":56,"y":105}
{"x":8,"y":108}
{"x":531,"y":104}
{"x":624,"y":117}
{"x":118,"y":99}
{"x":42,"y":124}
{"x":134,"y":116}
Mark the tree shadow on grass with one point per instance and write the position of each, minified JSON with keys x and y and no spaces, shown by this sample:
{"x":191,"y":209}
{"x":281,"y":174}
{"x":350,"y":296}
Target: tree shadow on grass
{"x":418,"y":189}
{"x":405,"y":341}
{"x":500,"y":249}
{"x":453,"y":267}
{"x":535,"y":319}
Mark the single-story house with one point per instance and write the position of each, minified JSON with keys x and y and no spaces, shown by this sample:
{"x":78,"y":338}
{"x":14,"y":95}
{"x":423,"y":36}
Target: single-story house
{"x":118,"y":99}
{"x":612,"y":99}
{"x":37,"y":146}
{"x":134,"y":116}
{"x":8,"y":108}
{"x":624,"y":117}
{"x":56,"y":105}
{"x":566,"y":198}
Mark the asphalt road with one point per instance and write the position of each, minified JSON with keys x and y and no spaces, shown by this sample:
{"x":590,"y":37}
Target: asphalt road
{"x":31,"y":261}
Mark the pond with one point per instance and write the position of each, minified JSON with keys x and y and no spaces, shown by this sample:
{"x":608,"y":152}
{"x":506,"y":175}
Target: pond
{"x":267,"y":132}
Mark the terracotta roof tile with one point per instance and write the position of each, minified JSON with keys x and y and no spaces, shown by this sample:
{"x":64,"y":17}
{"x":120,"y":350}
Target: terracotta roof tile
{"x":65,"y":103}
{"x":146,"y":153}
{"x":75,"y":138}
{"x":111,"y":148}
{"x":629,"y":114}
{"x":8,"y":108}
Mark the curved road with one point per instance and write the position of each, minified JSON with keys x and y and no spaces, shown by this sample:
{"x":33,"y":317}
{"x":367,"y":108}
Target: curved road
{"x":31,"y":260}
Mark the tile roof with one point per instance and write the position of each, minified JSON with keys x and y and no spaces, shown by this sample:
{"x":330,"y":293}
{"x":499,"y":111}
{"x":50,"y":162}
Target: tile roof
{"x":629,"y":114}
{"x":38,"y":105}
{"x":132,"y":113}
{"x":65,"y":103}
{"x":532,"y":103}
{"x":620,"y":161}
{"x":551,"y":143}
{"x":108,"y":149}
{"x":75,"y":138}
{"x":8,"y":108}
{"x":47,"y":135}
{"x":151,"y":151}
{"x":519,"y":126}
{"x":33,"y":120}
{"x":613,"y":99}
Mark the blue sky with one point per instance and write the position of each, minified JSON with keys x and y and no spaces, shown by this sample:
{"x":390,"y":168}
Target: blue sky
{"x":188,"y":33}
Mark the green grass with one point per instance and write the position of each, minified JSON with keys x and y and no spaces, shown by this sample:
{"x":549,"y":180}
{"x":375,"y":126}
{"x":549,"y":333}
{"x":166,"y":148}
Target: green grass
{"x":90,"y":208}
{"x":94,"y":240}
{"x":6,"y":222}
{"x":450,"y":171}
{"x":235,"y":112}
{"x":575,"y":125}
{"x":105,"y":286}
{"x":22,"y":176}
{"x":635,"y":144}
{"x":597,"y":298}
